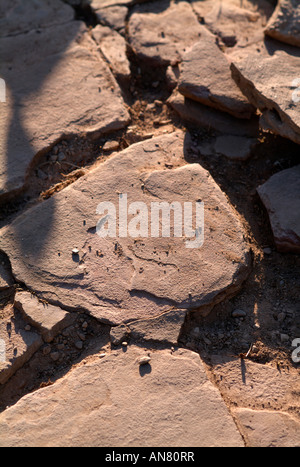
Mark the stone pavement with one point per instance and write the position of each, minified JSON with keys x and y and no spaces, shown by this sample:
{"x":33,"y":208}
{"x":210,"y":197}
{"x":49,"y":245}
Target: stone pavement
{"x":111,"y":110}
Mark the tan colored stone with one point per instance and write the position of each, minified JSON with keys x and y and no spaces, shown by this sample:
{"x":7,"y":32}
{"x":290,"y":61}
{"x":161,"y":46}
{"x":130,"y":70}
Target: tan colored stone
{"x":113,"y":47}
{"x":266,"y":429}
{"x":157,"y":35}
{"x":206,"y":78}
{"x":64,"y":90}
{"x":17,"y":345}
{"x":281,"y":197}
{"x":120,"y":279}
{"x":268,"y":84}
{"x":114,"y":402}
{"x":17,"y":16}
{"x":284,"y":25}
{"x":48,"y":319}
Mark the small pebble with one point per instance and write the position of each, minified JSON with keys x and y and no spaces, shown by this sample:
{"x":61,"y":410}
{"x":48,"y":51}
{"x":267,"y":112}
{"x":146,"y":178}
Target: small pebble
{"x":284,"y":337}
{"x":55,"y":356}
{"x":239,"y":314}
{"x":61,"y":157}
{"x":75,"y":251}
{"x":27,"y":327}
{"x":267,"y":251}
{"x":102,"y":355}
{"x":144,"y":360}
{"x":124,"y":344}
{"x":79,"y":345}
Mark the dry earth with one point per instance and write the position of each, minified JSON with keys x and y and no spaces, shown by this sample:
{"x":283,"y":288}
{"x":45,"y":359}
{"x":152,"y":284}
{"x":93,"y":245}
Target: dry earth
{"x":130,"y":342}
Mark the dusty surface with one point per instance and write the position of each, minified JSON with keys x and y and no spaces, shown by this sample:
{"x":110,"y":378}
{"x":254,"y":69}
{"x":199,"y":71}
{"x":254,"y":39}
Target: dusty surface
{"x":234,"y":357}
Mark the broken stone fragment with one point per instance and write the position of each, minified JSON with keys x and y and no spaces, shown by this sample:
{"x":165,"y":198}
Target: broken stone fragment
{"x":281,"y":197}
{"x":157,"y":35}
{"x":113,"y":47}
{"x":206,"y":78}
{"x":114,"y":17}
{"x":268,"y":84}
{"x":108,"y":393}
{"x":41,"y":108}
{"x":212,"y":119}
{"x":48,"y":319}
{"x":17,"y":345}
{"x":131,"y":274}
{"x":235,"y":147}
{"x":284,"y":25}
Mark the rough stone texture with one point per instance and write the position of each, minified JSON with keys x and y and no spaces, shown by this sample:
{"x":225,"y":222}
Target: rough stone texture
{"x":229,"y":21}
{"x":248,"y":384}
{"x":49,"y":320}
{"x":268,"y":429}
{"x":122,"y":279}
{"x":17,"y":16}
{"x":116,"y":403}
{"x":113,"y":46}
{"x":267,"y":83}
{"x":156,"y":34}
{"x":207,"y":117}
{"x":6,"y":280}
{"x":281,"y":197}
{"x":235,"y":147}
{"x":206,"y":78}
{"x":20,"y":345}
{"x":284,"y":25}
{"x":97,"y":4}
{"x":165,"y":329}
{"x":46,"y":60}
{"x":114,"y":17}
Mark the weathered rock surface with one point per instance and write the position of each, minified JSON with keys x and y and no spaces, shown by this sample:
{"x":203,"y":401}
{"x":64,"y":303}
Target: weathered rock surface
{"x":114,"y":17}
{"x":210,"y":118}
{"x":267,"y":82}
{"x":48,"y":319}
{"x":114,"y":402}
{"x":18,"y":345}
{"x":41,"y":108}
{"x":6,"y":279}
{"x":284,"y":25}
{"x":113,"y":46}
{"x":281,"y":197}
{"x":206,"y":78}
{"x":156,"y":34}
{"x":17,"y":16}
{"x":268,"y":429}
{"x":118,"y":279}
{"x":229,"y":21}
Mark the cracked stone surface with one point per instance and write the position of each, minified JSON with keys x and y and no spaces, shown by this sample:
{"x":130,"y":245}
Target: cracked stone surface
{"x":206,"y":78}
{"x":129,"y":278}
{"x":156,"y":35}
{"x":284,"y":25}
{"x":27,"y":128}
{"x":281,"y":197}
{"x":114,"y":48}
{"x":268,"y":429}
{"x":271,"y":90}
{"x":95,"y":403}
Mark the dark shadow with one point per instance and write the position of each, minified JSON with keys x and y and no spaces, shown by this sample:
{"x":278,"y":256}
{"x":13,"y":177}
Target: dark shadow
{"x":145,"y":370}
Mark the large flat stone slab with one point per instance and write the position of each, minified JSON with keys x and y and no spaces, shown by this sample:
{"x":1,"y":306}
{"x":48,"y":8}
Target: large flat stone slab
{"x":114,"y":402}
{"x":56,"y":64}
{"x":119,"y":279}
{"x":281,"y":197}
{"x":284,"y":25}
{"x":267,"y":429}
{"x":206,"y":78}
{"x":17,"y":16}
{"x":160,"y":32}
{"x":268,"y":84}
